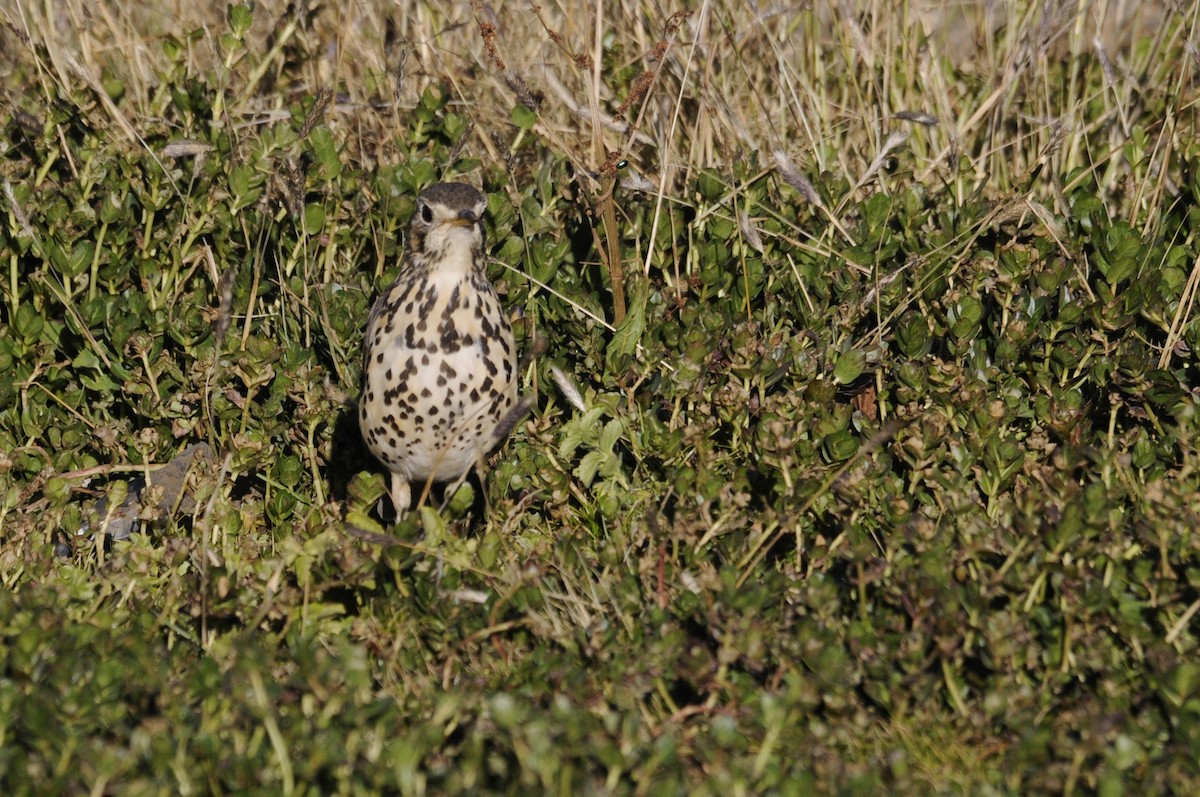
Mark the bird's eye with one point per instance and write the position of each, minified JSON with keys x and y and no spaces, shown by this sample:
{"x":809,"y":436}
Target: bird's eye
{"x":426,"y":214}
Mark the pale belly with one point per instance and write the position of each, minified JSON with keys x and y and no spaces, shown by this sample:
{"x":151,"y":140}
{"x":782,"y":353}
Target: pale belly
{"x":440,"y":421}
{"x":431,"y":403}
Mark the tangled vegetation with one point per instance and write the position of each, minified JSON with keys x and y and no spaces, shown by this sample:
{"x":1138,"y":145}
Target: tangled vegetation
{"x":863,"y":451}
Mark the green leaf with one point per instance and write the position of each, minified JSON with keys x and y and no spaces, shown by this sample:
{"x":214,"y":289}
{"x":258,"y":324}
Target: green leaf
{"x":877,"y":210}
{"x":624,"y":343}
{"x":710,"y":185}
{"x":453,"y":125}
{"x":433,"y":524}
{"x":523,"y":117}
{"x":912,"y":335}
{"x":112,"y":207}
{"x":1121,"y":251}
{"x":966,"y":318}
{"x":314,"y":219}
{"x":172,"y":47}
{"x":28,"y":323}
{"x":80,"y":258}
{"x":365,"y":490}
{"x":421,"y":173}
{"x":461,"y":502}
{"x":240,"y":19}
{"x":840,"y":446}
{"x":364,"y":521}
{"x":245,"y":185}
{"x":86,"y":359}
{"x":589,"y":466}
{"x":114,"y":88}
{"x":431,"y":99}
{"x":610,"y":435}
{"x":288,"y":470}
{"x":326,"y":150}
{"x":849,"y":366}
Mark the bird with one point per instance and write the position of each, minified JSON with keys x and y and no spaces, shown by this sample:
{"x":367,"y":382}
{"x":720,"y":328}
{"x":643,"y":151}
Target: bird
{"x":439,"y":359}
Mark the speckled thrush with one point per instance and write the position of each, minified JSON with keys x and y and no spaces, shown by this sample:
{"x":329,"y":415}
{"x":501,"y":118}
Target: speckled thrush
{"x":439,"y":361}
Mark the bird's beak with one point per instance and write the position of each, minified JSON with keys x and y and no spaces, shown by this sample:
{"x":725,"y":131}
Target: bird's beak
{"x":465,"y":218}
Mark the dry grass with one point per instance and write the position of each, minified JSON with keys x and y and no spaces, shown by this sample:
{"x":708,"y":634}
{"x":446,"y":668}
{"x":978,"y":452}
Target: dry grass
{"x":962,"y":98}
{"x":673,"y":91}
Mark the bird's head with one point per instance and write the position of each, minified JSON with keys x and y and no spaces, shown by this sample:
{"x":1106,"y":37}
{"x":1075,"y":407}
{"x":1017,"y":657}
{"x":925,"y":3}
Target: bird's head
{"x":448,"y":224}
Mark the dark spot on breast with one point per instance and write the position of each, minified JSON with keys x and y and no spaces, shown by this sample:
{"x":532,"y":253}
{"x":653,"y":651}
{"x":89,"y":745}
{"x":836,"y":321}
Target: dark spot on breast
{"x":429,"y":300}
{"x":392,"y":394}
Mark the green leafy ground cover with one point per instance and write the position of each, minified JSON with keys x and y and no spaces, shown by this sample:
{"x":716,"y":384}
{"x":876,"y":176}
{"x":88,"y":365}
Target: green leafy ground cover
{"x":885,"y":482}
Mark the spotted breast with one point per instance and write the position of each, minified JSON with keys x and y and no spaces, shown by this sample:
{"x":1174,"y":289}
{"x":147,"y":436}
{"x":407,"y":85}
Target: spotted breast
{"x":439,"y":361}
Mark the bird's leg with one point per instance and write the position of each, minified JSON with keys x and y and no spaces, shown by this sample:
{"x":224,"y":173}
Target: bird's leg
{"x":401,"y":494}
